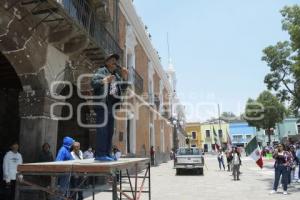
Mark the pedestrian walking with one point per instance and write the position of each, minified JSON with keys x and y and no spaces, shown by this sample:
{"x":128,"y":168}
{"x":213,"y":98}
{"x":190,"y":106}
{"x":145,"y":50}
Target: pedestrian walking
{"x":236,"y":164}
{"x":293,"y":164}
{"x":281,"y":157}
{"x":76,"y":180}
{"x":229,"y":160}
{"x":152,"y":155}
{"x":109,"y":83}
{"x":221,"y":160}
{"x":298,"y":165}
{"x":10,"y":164}
{"x":171,"y":155}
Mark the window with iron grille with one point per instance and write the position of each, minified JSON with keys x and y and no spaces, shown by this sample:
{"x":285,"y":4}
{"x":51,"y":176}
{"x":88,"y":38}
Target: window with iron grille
{"x":194,"y":135}
{"x":207,"y":133}
{"x":220,"y":132}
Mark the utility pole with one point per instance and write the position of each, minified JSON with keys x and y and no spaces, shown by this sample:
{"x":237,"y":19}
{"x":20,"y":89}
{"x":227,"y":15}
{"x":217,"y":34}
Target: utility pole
{"x":219,"y":119}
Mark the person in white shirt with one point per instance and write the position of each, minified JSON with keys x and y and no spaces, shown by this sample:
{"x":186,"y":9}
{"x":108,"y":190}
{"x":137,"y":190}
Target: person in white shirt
{"x":10,"y":164}
{"x":77,"y":153}
{"x":221,"y":160}
{"x":76,"y":181}
{"x":88,"y":154}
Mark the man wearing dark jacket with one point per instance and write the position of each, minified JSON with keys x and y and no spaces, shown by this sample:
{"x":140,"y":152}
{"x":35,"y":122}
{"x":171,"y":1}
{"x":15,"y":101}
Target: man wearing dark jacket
{"x":108,"y":84}
{"x":45,"y":155}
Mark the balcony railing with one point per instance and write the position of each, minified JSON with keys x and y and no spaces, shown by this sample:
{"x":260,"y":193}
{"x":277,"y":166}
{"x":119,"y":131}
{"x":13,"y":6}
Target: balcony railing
{"x":151,"y":99}
{"x":85,"y":16}
{"x":156,"y":102}
{"x":136,"y":80}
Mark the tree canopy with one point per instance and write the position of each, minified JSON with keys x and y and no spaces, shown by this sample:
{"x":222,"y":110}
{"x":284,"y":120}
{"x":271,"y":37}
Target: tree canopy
{"x":283,"y":59}
{"x":264,"y":112}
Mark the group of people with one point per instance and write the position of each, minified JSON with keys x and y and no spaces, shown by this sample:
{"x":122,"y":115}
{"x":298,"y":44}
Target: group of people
{"x":233,"y":158}
{"x":111,"y":78}
{"x":287,"y":165}
{"x":70,"y":150}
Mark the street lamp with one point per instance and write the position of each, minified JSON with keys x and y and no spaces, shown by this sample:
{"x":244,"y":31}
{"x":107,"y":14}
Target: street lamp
{"x":175,"y":122}
{"x":181,"y":123}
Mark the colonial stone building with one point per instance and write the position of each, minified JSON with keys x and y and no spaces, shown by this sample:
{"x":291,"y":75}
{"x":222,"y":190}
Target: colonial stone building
{"x":149,"y":124}
{"x":48,"y":52}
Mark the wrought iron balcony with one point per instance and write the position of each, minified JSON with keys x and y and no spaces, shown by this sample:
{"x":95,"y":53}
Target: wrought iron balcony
{"x":157,"y":102}
{"x":151,"y":99}
{"x":136,"y":80}
{"x":86,"y":17}
{"x":74,"y":26}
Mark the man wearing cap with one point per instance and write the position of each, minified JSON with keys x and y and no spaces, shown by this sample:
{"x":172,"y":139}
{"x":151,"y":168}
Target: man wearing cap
{"x":108,"y":84}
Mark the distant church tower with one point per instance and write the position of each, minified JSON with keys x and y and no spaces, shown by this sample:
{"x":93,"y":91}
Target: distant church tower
{"x":171,"y":73}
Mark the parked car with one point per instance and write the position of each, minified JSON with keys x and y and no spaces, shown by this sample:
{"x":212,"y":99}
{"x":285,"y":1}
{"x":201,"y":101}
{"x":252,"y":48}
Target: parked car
{"x":189,"y":158}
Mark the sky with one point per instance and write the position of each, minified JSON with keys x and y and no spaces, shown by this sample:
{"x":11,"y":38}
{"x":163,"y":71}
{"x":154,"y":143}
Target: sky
{"x":216,"y":48}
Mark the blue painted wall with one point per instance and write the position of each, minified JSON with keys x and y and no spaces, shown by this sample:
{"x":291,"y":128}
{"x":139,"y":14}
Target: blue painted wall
{"x":241,"y":130}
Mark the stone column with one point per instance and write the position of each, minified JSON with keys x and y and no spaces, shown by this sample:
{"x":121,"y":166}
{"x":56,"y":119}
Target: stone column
{"x":37,"y":127}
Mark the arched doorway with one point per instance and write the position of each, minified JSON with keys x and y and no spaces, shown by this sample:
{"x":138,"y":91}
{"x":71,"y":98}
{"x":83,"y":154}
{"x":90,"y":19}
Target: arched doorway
{"x":71,"y":127}
{"x":10,"y":87}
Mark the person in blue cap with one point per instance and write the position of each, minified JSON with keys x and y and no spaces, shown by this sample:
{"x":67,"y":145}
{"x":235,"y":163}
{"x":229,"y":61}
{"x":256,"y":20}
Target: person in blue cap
{"x":64,"y":154}
{"x":109,"y":83}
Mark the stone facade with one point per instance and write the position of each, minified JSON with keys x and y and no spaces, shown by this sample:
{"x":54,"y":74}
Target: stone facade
{"x":43,"y":57}
{"x":149,"y":127}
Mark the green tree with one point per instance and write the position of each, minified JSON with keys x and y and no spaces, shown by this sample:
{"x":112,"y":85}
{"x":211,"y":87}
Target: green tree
{"x":228,"y":116}
{"x":264,"y":112}
{"x":283,"y":60}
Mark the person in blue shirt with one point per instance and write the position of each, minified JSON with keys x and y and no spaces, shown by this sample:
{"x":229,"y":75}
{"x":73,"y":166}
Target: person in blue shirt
{"x":64,"y":154}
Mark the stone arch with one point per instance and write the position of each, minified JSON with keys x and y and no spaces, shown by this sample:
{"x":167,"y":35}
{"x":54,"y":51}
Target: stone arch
{"x":25,"y":49}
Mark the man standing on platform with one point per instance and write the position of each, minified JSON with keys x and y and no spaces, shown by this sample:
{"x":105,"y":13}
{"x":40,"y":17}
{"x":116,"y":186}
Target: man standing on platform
{"x":109,"y":83}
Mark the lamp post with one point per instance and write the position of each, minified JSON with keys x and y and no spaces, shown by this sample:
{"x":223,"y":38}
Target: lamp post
{"x":175,"y":135}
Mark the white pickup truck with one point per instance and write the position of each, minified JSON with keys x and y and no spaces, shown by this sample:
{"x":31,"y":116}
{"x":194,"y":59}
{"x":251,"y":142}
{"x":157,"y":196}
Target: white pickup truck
{"x":189,"y":159}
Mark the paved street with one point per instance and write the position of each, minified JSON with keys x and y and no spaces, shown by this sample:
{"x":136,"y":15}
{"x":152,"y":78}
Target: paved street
{"x":215,"y":184}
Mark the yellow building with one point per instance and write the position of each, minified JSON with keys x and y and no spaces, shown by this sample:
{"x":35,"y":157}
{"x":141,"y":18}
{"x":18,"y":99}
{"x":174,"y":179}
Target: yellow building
{"x":193,"y":130}
{"x":209,"y":138}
